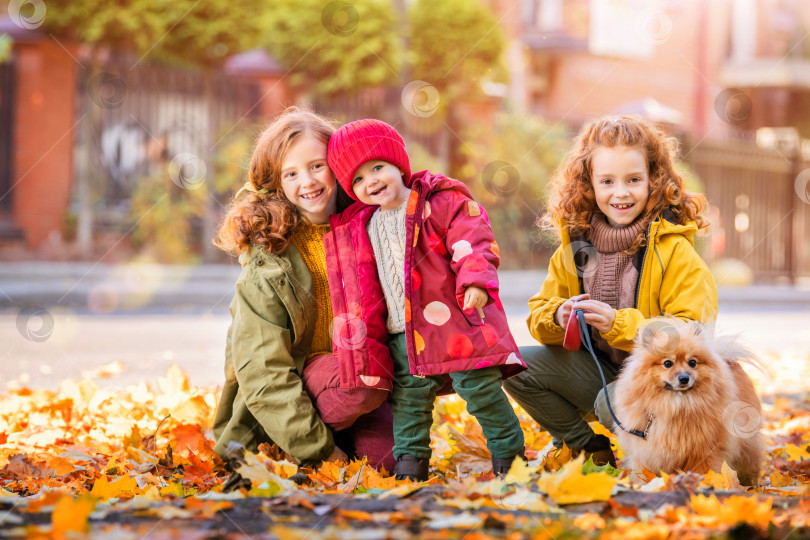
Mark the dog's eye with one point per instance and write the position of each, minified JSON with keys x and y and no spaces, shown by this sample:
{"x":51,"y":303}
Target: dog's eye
{"x":667,"y":364}
{"x":692,"y":363}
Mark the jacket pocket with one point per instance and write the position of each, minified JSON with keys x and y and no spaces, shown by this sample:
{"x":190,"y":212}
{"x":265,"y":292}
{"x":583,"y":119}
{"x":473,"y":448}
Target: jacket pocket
{"x":474,"y":315}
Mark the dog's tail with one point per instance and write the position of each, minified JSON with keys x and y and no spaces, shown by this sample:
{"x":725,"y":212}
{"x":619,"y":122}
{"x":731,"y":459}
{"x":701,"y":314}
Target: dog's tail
{"x":731,"y":349}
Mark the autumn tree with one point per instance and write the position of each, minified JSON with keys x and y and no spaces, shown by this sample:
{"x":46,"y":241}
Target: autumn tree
{"x":199,"y":33}
{"x":335,"y":48}
{"x":456,"y":46}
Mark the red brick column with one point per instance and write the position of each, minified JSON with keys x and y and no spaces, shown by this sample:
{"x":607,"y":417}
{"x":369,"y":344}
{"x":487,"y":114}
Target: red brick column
{"x":45,"y":118}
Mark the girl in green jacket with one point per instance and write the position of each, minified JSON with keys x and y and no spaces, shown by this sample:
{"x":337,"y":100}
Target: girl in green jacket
{"x":282,"y":382}
{"x":627,"y":254}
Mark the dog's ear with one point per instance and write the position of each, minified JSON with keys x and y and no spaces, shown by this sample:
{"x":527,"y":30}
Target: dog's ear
{"x":659,"y":336}
{"x":695,"y":328}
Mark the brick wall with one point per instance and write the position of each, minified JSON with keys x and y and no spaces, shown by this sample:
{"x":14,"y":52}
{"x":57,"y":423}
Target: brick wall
{"x":43,"y":139}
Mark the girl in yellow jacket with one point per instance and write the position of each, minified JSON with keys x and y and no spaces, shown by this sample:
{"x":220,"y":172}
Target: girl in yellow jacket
{"x":627,"y":254}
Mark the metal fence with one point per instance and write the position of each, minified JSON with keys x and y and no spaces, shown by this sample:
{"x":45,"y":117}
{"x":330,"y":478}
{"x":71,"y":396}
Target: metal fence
{"x":134,"y":120}
{"x":760,"y":216}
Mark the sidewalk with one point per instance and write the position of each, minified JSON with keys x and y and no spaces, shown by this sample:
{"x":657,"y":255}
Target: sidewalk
{"x":133,"y":288}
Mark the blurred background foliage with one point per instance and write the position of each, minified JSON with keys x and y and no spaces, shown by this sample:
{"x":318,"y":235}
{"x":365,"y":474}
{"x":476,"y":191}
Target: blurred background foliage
{"x":512,"y":167}
{"x":366,"y":51}
{"x":328,"y":50}
{"x":455,"y":25}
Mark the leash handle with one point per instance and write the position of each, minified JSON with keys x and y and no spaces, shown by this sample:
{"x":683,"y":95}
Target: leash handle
{"x":585,"y":336}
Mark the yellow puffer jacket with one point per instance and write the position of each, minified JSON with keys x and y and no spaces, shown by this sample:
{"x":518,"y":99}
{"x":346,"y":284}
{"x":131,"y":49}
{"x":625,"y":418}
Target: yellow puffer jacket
{"x":674,"y":281}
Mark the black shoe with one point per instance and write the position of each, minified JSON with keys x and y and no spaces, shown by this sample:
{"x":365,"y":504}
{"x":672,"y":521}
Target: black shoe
{"x":411,"y":468}
{"x":598,"y":449}
{"x":501,"y":466}
{"x":234,"y":482}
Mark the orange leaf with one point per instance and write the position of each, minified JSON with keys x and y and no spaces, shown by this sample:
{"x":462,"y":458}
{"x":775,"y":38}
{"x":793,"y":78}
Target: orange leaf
{"x":780,"y":480}
{"x":355,"y":515}
{"x":733,"y":510}
{"x":123,"y":486}
{"x":71,"y":514}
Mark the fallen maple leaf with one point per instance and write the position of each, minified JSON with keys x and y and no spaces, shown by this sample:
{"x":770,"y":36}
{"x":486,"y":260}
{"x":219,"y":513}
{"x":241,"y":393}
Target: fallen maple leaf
{"x":556,"y":458}
{"x":795,"y":453}
{"x":734,"y":509}
{"x":22,"y":466}
{"x":519,"y":472}
{"x":569,"y":485}
{"x":725,"y":480}
{"x":105,"y":371}
{"x":781,"y":480}
{"x":122,"y":486}
{"x":70,"y":515}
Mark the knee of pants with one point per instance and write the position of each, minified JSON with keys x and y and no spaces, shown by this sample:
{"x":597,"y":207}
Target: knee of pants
{"x":340,"y":407}
{"x":602,"y":411}
{"x":518,"y":384}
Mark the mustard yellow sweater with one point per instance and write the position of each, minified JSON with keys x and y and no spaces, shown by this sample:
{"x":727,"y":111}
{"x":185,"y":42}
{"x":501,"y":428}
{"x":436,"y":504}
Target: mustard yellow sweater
{"x":308,"y":238}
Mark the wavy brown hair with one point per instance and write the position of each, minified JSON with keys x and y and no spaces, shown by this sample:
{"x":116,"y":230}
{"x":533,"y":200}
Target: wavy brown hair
{"x":268,"y":219}
{"x":572,"y":202}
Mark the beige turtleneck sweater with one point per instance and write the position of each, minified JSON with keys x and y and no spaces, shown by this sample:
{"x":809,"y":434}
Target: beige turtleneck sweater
{"x":615,"y":278}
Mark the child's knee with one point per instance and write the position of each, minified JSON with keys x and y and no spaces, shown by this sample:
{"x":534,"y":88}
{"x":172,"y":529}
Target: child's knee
{"x":339,"y":408}
{"x":601,"y":409}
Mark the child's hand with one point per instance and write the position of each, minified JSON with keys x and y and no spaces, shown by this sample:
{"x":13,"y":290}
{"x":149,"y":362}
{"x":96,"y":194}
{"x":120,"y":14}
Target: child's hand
{"x":597,"y":314}
{"x":564,"y":311}
{"x":475,"y":297}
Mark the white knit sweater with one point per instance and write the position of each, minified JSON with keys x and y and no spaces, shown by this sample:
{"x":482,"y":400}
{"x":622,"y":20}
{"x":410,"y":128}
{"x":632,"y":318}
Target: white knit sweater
{"x":386,"y":229}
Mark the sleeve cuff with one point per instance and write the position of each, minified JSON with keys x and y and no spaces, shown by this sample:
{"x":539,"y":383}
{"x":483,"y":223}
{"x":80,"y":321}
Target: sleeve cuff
{"x":618,"y":324}
{"x":550,"y":321}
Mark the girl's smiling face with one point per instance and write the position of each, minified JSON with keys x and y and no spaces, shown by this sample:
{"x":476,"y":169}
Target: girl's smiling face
{"x":621,"y":183}
{"x":307,"y":180}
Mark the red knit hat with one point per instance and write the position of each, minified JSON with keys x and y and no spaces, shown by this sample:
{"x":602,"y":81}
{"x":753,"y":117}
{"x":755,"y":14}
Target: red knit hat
{"x":361,"y":141}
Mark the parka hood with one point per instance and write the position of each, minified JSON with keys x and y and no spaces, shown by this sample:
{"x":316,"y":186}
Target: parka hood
{"x":428,"y":183}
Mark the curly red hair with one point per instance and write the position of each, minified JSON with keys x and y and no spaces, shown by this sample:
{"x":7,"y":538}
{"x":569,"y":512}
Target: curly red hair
{"x":572,"y":202}
{"x":268,"y":219}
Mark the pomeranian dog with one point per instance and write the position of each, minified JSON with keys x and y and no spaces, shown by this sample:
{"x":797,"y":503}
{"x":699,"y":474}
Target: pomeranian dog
{"x":701,"y":406}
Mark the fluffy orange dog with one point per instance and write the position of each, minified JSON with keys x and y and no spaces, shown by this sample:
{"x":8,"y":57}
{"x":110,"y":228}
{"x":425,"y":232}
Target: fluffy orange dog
{"x":704,"y":407}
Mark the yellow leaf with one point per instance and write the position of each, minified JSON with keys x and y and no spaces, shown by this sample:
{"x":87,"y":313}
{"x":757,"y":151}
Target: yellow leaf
{"x":175,"y":489}
{"x":71,"y":514}
{"x":152,"y":493}
{"x":796,"y":453}
{"x":519,"y":472}
{"x":569,"y":485}
{"x":734,"y":509}
{"x":123,"y":486}
{"x":725,"y":480}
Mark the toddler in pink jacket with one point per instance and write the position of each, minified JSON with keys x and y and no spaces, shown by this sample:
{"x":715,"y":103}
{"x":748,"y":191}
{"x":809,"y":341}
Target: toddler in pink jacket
{"x":416,"y":263}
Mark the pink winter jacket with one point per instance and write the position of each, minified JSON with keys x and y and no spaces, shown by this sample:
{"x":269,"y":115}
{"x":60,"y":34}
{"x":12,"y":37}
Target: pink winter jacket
{"x":449,"y":247}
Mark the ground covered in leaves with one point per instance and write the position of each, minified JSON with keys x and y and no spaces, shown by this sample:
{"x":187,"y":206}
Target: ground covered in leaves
{"x":84,"y":461}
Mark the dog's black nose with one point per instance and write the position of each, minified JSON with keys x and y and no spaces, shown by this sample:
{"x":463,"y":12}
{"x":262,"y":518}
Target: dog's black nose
{"x":683,"y":379}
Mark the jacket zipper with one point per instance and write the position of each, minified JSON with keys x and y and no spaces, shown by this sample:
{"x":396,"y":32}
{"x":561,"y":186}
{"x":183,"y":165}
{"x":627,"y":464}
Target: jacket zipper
{"x":343,"y":298}
{"x":643,"y":260}
{"x":420,"y":204}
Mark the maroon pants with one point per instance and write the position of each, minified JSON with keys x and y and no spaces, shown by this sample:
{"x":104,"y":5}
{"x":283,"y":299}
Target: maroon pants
{"x":360,"y":417}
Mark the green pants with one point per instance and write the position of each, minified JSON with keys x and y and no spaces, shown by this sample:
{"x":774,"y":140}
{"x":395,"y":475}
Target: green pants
{"x":481,"y":388}
{"x":560,"y":388}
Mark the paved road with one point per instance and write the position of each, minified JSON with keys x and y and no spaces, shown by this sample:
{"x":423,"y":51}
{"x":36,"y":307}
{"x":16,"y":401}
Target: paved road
{"x":147,"y":344}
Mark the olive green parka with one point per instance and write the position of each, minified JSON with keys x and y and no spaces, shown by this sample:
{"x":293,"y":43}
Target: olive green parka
{"x":272,"y":324}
